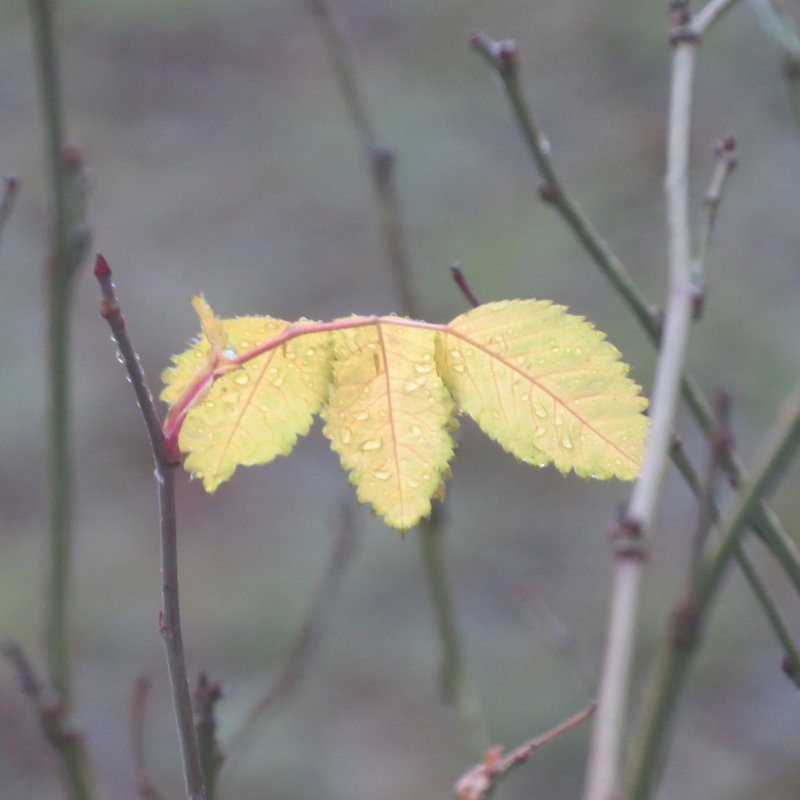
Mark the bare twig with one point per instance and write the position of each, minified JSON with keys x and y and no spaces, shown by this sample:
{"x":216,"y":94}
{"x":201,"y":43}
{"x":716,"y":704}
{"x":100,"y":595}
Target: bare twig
{"x":56,"y":725}
{"x":708,"y":15}
{"x":7,"y":199}
{"x":481,"y":782}
{"x":461,"y":281}
{"x":204,"y":699}
{"x":706,"y":515}
{"x":294,"y":668}
{"x":776,"y":454}
{"x":381,"y":161}
{"x":170,"y":618}
{"x":503,"y":57}
{"x":380,"y":157}
{"x":67,"y":248}
{"x":145,"y":788}
{"x":784,"y":31}
{"x":457,"y":689}
{"x":725,"y":150}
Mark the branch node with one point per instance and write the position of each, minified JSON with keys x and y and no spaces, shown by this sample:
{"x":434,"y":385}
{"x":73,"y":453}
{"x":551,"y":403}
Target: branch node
{"x":685,"y":626}
{"x":627,"y":541}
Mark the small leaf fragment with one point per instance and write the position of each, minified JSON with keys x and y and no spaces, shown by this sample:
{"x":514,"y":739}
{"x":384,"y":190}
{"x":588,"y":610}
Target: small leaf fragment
{"x":546,"y":386}
{"x":388,"y":417}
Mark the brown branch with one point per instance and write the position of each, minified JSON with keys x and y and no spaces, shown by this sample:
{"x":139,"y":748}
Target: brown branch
{"x":55,"y":723}
{"x":380,"y":157}
{"x":170,"y":618}
{"x":204,"y":700}
{"x":481,"y":782}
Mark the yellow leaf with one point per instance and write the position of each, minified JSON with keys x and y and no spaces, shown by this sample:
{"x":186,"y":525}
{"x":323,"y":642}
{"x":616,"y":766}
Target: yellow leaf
{"x":252,"y":412}
{"x":387,"y":417}
{"x":212,"y":325}
{"x":545,"y":385}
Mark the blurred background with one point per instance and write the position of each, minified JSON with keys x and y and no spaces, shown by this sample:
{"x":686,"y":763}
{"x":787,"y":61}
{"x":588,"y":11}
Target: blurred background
{"x":222,"y":161}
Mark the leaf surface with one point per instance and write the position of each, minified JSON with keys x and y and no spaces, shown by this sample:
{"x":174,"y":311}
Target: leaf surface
{"x":255,"y":411}
{"x":388,"y":417}
{"x":545,"y":385}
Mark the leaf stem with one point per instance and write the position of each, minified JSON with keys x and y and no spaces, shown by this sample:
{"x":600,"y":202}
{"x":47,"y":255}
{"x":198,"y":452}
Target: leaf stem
{"x":170,"y":618}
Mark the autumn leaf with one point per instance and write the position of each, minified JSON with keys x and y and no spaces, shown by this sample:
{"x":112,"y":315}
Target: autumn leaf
{"x":543,"y":383}
{"x":255,"y":411}
{"x":387,"y":417}
{"x":546,"y":385}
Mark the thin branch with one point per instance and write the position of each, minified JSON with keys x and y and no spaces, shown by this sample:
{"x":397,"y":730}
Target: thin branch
{"x":708,"y":15}
{"x":55,"y":724}
{"x":463,"y":284}
{"x":67,"y":248}
{"x":307,"y":641}
{"x":204,"y":699}
{"x":381,"y":158}
{"x":707,"y":510}
{"x":503,"y":57}
{"x":481,"y":782}
{"x":776,"y":454}
{"x":145,"y":788}
{"x":7,"y":199}
{"x":604,"y":760}
{"x":725,"y":151}
{"x":784,"y":31}
{"x":170,"y":618}
{"x":457,"y":689}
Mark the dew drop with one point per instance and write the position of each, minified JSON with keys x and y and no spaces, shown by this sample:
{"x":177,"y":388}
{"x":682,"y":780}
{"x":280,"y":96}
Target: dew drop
{"x":416,"y":430}
{"x":540,"y":432}
{"x":422,"y":368}
{"x":245,"y":345}
{"x":290,"y":355}
{"x":382,"y":475}
{"x":410,"y":386}
{"x":411,"y":483}
{"x":210,"y":404}
{"x":372,"y":444}
{"x":346,"y":436}
{"x":540,"y":410}
{"x":229,"y":352}
{"x":566,"y":441}
{"x":310,"y":352}
{"x":241,"y":378}
{"x":458,"y":368}
{"x":361,"y":416}
{"x":367,"y":390}
{"x":456,"y":355}
{"x":278,"y":381}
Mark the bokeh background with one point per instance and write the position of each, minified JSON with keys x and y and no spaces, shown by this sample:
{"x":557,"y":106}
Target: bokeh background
{"x":222,"y":162}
